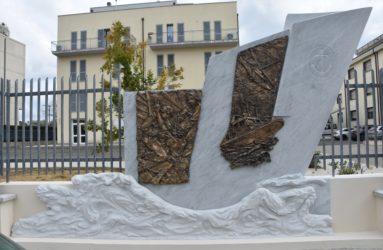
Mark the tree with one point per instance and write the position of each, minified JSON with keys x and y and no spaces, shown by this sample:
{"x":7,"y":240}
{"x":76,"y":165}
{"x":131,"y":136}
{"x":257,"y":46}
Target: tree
{"x":122,"y":50}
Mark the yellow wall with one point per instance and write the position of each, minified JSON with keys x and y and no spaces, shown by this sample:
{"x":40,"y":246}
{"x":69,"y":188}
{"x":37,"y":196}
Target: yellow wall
{"x":192,"y":58}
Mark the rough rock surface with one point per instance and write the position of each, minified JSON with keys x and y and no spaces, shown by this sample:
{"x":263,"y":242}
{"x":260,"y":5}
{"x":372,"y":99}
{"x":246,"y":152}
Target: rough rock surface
{"x":250,"y":136}
{"x":167,"y":123}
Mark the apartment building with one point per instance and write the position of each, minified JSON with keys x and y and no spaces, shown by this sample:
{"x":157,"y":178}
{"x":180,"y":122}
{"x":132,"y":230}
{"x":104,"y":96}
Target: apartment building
{"x":182,"y":34}
{"x":366,"y":101}
{"x":12,"y":67}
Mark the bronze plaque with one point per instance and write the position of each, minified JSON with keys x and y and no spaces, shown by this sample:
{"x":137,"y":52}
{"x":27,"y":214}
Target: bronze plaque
{"x":250,"y":136}
{"x":166,"y":127}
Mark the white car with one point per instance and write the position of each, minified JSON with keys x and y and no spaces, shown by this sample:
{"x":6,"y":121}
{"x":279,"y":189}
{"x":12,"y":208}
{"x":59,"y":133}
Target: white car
{"x":378,"y":130}
{"x":345,"y":133}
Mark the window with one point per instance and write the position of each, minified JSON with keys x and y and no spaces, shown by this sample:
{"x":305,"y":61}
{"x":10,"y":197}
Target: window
{"x":73,"y":39}
{"x":207,"y":57}
{"x":170,"y":59}
{"x":218,"y":52}
{"x":206,"y":31}
{"x":82,"y":70}
{"x":73,"y":71}
{"x":351,"y":74}
{"x":370,"y":113}
{"x":159,"y":33}
{"x":79,"y":131}
{"x":367,"y":66}
{"x":81,"y":100}
{"x":127,"y":36}
{"x":353,"y":115}
{"x":352,"y":94}
{"x":180,"y":33}
{"x":160,"y":64}
{"x":116,"y":71}
{"x":369,"y":90}
{"x":83,"y":40}
{"x":169,"y":33}
{"x":217,"y":30}
{"x":101,"y":38}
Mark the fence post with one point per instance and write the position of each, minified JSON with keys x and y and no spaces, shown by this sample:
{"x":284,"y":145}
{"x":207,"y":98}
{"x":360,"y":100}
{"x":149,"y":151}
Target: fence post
{"x":1,"y":123}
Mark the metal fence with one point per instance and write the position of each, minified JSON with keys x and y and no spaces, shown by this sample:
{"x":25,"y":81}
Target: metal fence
{"x":58,"y":138}
{"x":353,"y":135}
{"x":63,"y":139}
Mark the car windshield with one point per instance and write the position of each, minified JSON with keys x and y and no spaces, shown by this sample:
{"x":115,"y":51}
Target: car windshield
{"x":7,"y":244}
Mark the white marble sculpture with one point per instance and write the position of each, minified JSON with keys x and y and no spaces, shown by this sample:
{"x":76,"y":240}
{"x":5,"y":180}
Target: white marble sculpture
{"x":218,"y":202}
{"x":320,"y":49}
{"x":115,"y":206}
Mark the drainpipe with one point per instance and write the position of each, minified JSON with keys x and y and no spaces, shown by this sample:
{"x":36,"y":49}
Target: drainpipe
{"x":143,"y":49}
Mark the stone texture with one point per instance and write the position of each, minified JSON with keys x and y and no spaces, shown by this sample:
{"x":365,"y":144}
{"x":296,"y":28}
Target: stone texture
{"x":115,"y":206}
{"x":250,"y":136}
{"x":305,"y":99}
{"x":166,"y":128}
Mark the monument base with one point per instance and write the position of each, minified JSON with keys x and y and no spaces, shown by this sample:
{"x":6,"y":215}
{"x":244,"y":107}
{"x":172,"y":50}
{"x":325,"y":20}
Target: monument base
{"x":115,"y":206}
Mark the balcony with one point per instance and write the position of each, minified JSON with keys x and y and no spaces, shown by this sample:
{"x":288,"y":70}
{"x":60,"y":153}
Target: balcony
{"x":192,"y":39}
{"x":68,"y":47}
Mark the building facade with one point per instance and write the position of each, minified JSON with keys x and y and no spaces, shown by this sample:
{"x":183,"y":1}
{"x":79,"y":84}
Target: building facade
{"x":12,"y":67}
{"x":363,"y":105}
{"x":182,"y":34}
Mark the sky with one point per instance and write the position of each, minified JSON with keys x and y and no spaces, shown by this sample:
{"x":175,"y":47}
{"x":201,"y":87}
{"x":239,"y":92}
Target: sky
{"x":34,"y":23}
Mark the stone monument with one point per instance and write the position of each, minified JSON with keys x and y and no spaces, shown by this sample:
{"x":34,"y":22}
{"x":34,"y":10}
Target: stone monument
{"x":227,"y":162}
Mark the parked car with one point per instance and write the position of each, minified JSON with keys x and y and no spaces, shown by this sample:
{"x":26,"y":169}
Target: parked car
{"x":345,"y":133}
{"x":375,"y":131}
{"x":362,"y":133}
{"x":8,"y":244}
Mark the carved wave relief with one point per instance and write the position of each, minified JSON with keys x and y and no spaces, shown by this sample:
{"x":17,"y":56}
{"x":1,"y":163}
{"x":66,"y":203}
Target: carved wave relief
{"x":115,"y":206}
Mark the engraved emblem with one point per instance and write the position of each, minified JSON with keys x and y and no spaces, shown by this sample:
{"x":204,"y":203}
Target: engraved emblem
{"x":322,"y":60}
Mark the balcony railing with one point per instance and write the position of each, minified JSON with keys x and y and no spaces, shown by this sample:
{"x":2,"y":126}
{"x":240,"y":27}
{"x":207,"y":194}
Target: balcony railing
{"x":88,"y":46}
{"x":69,"y":47}
{"x":194,"y":38}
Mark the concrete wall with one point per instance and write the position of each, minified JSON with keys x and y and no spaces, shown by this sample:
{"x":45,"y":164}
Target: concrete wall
{"x":354,"y":207}
{"x":15,"y":68}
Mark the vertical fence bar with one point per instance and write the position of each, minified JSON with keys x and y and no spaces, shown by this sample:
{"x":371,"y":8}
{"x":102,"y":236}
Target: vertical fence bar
{"x":94,"y":125}
{"x":23,"y":129}
{"x":366,"y":118}
{"x":103,"y":122}
{"x":86,"y":125}
{"x":54,"y":126}
{"x":381,"y":101}
{"x":70,"y":122}
{"x":374,"y":116}
{"x":62,"y":122}
{"x":8,"y":124}
{"x":78,"y":122}
{"x":348,"y":112}
{"x":332,"y":143}
{"x":15,"y":122}
{"x":358,"y":139}
{"x":119,"y":126}
{"x":1,"y":125}
{"x":341,"y":130}
{"x":30,"y":126}
{"x":46,"y":125}
{"x":38,"y":126}
{"x":111,"y":123}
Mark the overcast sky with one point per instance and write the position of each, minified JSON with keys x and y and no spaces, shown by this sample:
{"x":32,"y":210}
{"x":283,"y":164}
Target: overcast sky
{"x":34,"y":23}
